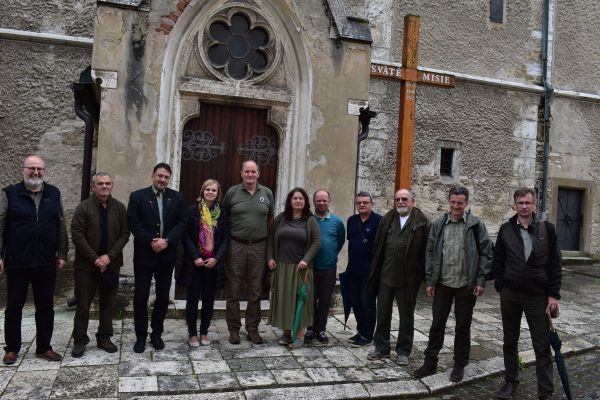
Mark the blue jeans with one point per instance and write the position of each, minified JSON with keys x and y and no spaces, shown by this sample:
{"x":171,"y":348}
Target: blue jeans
{"x":363,"y":304}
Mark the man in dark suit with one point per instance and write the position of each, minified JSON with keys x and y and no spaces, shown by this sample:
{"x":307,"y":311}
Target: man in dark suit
{"x":156,"y":217}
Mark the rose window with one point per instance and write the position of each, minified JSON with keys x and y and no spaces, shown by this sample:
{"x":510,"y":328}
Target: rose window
{"x":237,"y":48}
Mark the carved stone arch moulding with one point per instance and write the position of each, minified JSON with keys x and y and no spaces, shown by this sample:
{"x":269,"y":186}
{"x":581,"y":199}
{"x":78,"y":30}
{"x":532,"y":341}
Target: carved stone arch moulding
{"x":238,"y":44}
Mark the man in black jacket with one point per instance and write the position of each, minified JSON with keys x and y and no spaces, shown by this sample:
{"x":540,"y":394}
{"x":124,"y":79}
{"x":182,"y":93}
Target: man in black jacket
{"x":156,"y":217}
{"x":527,"y":267}
{"x":33,"y":245}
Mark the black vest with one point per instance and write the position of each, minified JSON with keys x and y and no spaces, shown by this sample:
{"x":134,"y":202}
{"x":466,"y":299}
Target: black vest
{"x":30,"y":237}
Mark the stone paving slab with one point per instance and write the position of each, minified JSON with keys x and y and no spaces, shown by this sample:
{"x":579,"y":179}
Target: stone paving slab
{"x":270,"y":371}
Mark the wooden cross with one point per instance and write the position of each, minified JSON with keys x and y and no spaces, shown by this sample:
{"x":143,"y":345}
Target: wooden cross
{"x":410,"y":76}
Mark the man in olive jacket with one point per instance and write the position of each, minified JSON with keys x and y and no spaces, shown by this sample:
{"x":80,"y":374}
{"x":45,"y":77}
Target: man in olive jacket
{"x":458,"y":262}
{"x":397,"y":269}
{"x":99,"y":231}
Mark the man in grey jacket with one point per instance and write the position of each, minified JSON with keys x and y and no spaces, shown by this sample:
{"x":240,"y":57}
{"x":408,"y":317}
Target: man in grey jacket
{"x":457,"y":263}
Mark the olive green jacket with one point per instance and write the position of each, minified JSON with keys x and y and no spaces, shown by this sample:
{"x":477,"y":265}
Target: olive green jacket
{"x":85,"y":232}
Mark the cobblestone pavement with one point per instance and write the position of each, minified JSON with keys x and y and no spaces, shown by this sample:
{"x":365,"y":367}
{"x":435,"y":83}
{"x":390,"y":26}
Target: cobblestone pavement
{"x":584,"y":380}
{"x":270,"y":371}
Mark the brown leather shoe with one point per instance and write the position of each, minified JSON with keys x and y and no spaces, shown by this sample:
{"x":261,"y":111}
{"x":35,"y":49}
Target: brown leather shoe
{"x":9,"y":358}
{"x":49,"y":355}
{"x":234,"y":336}
{"x":105,"y":344}
{"x":254,"y":337}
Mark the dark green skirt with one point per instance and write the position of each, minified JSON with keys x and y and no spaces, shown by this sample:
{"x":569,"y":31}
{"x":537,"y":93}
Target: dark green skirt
{"x":286,"y":282}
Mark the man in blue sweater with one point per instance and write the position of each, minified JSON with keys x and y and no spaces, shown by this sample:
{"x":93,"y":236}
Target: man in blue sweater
{"x":333,"y":236}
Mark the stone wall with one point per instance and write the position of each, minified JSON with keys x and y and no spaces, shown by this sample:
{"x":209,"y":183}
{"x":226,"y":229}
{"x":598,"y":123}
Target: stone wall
{"x":36,"y":106}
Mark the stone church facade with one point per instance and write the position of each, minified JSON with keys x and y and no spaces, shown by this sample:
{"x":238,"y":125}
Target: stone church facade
{"x":202,"y":84}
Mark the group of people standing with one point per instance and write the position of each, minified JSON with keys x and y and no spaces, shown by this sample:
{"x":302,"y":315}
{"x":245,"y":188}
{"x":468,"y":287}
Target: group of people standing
{"x":228,"y":239}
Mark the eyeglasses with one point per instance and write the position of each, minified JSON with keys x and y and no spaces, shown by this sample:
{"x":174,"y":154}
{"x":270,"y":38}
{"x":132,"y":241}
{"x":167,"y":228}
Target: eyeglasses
{"x":363,"y":203}
{"x":525,"y":203}
{"x":35,"y":169}
{"x":401,"y":199}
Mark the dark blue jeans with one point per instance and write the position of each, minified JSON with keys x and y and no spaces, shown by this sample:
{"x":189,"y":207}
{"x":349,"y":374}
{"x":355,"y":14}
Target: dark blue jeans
{"x":202,"y":286}
{"x":363,"y":304}
{"x":42,"y":280}
{"x":143,"y":274}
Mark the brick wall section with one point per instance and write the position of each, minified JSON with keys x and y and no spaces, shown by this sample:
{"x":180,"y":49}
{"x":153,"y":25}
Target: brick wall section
{"x":167,"y":23}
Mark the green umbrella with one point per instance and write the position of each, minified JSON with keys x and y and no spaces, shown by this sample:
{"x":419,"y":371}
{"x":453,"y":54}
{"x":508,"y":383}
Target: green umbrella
{"x":300,"y":299}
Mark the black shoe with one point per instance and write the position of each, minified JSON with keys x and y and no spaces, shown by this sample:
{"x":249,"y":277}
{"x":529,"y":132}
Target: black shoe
{"x":428,"y":368}
{"x":105,"y":344}
{"x":506,"y":391}
{"x":458,"y":372}
{"x":360,"y":342}
{"x":322,"y":338}
{"x":377,"y":355}
{"x":353,"y":338}
{"x":139,"y":346}
{"x":309,"y":335}
{"x":157,"y":343}
{"x":78,"y":349}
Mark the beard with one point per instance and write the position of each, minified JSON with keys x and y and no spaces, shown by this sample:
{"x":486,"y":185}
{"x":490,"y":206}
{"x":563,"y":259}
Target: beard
{"x":34,"y":183}
{"x":404,"y":211}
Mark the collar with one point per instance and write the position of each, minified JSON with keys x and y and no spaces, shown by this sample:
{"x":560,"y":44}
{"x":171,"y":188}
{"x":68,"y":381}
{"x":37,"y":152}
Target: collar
{"x":328,"y":216}
{"x":246,"y":190}
{"x":156,"y":191}
{"x":463,"y":218}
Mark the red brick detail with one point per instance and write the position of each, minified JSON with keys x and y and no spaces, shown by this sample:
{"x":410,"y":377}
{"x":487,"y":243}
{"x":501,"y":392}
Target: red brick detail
{"x":167,"y":22}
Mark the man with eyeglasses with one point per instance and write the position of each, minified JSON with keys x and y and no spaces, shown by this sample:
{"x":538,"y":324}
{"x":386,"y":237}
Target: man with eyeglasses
{"x":457,"y":264}
{"x":527,"y":268}
{"x":361,"y":230}
{"x":34,"y":245}
{"x":397,"y":269}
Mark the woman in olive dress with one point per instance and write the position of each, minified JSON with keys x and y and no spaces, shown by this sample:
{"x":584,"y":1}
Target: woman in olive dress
{"x":292,"y":244}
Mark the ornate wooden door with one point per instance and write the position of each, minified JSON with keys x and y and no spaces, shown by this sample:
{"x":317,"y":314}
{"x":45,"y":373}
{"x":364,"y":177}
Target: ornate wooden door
{"x":213,"y":147}
{"x":217,"y":141}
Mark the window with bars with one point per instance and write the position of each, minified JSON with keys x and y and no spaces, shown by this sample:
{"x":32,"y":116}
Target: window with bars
{"x":497,"y":11}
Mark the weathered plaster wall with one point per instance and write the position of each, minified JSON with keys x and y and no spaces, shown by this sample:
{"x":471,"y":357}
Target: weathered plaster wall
{"x":66,"y":17}
{"x":457,"y":35}
{"x":36,"y":113}
{"x":577,"y":52}
{"x":575,"y":152}
{"x":340,"y":71}
{"x":493,"y":130}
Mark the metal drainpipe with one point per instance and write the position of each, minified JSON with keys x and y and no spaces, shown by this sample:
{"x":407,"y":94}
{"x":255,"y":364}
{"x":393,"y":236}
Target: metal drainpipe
{"x":365,"y":119}
{"x":88,"y":140}
{"x":547,"y":95}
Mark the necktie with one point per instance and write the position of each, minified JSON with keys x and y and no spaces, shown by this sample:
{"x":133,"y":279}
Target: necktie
{"x":159,"y":201}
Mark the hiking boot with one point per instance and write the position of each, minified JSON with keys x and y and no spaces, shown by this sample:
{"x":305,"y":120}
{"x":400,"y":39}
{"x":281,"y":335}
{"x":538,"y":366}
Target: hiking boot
{"x":309,"y":335}
{"x":254,"y":337}
{"x":458,"y":372}
{"x":78,"y":349}
{"x":428,"y":368}
{"x":506,"y":391}
{"x":234,"y":336}
{"x":322,"y":338}
{"x":106,"y":344}
{"x":377,"y":355}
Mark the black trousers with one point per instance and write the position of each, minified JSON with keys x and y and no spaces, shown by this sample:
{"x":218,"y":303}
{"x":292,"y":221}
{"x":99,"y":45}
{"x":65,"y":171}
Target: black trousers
{"x":203,"y":286}
{"x":143,"y":274}
{"x":86,"y":285}
{"x":464,"y":302}
{"x":324,"y":283}
{"x":363,"y":304}
{"x":405,"y":300}
{"x":512,"y":306}
{"x":42,"y":280}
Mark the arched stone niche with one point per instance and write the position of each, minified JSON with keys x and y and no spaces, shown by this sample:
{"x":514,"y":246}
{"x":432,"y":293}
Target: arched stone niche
{"x":284,"y":87}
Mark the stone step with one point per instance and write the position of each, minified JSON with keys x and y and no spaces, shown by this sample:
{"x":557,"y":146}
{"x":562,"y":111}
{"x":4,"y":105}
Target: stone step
{"x":576,"y":260}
